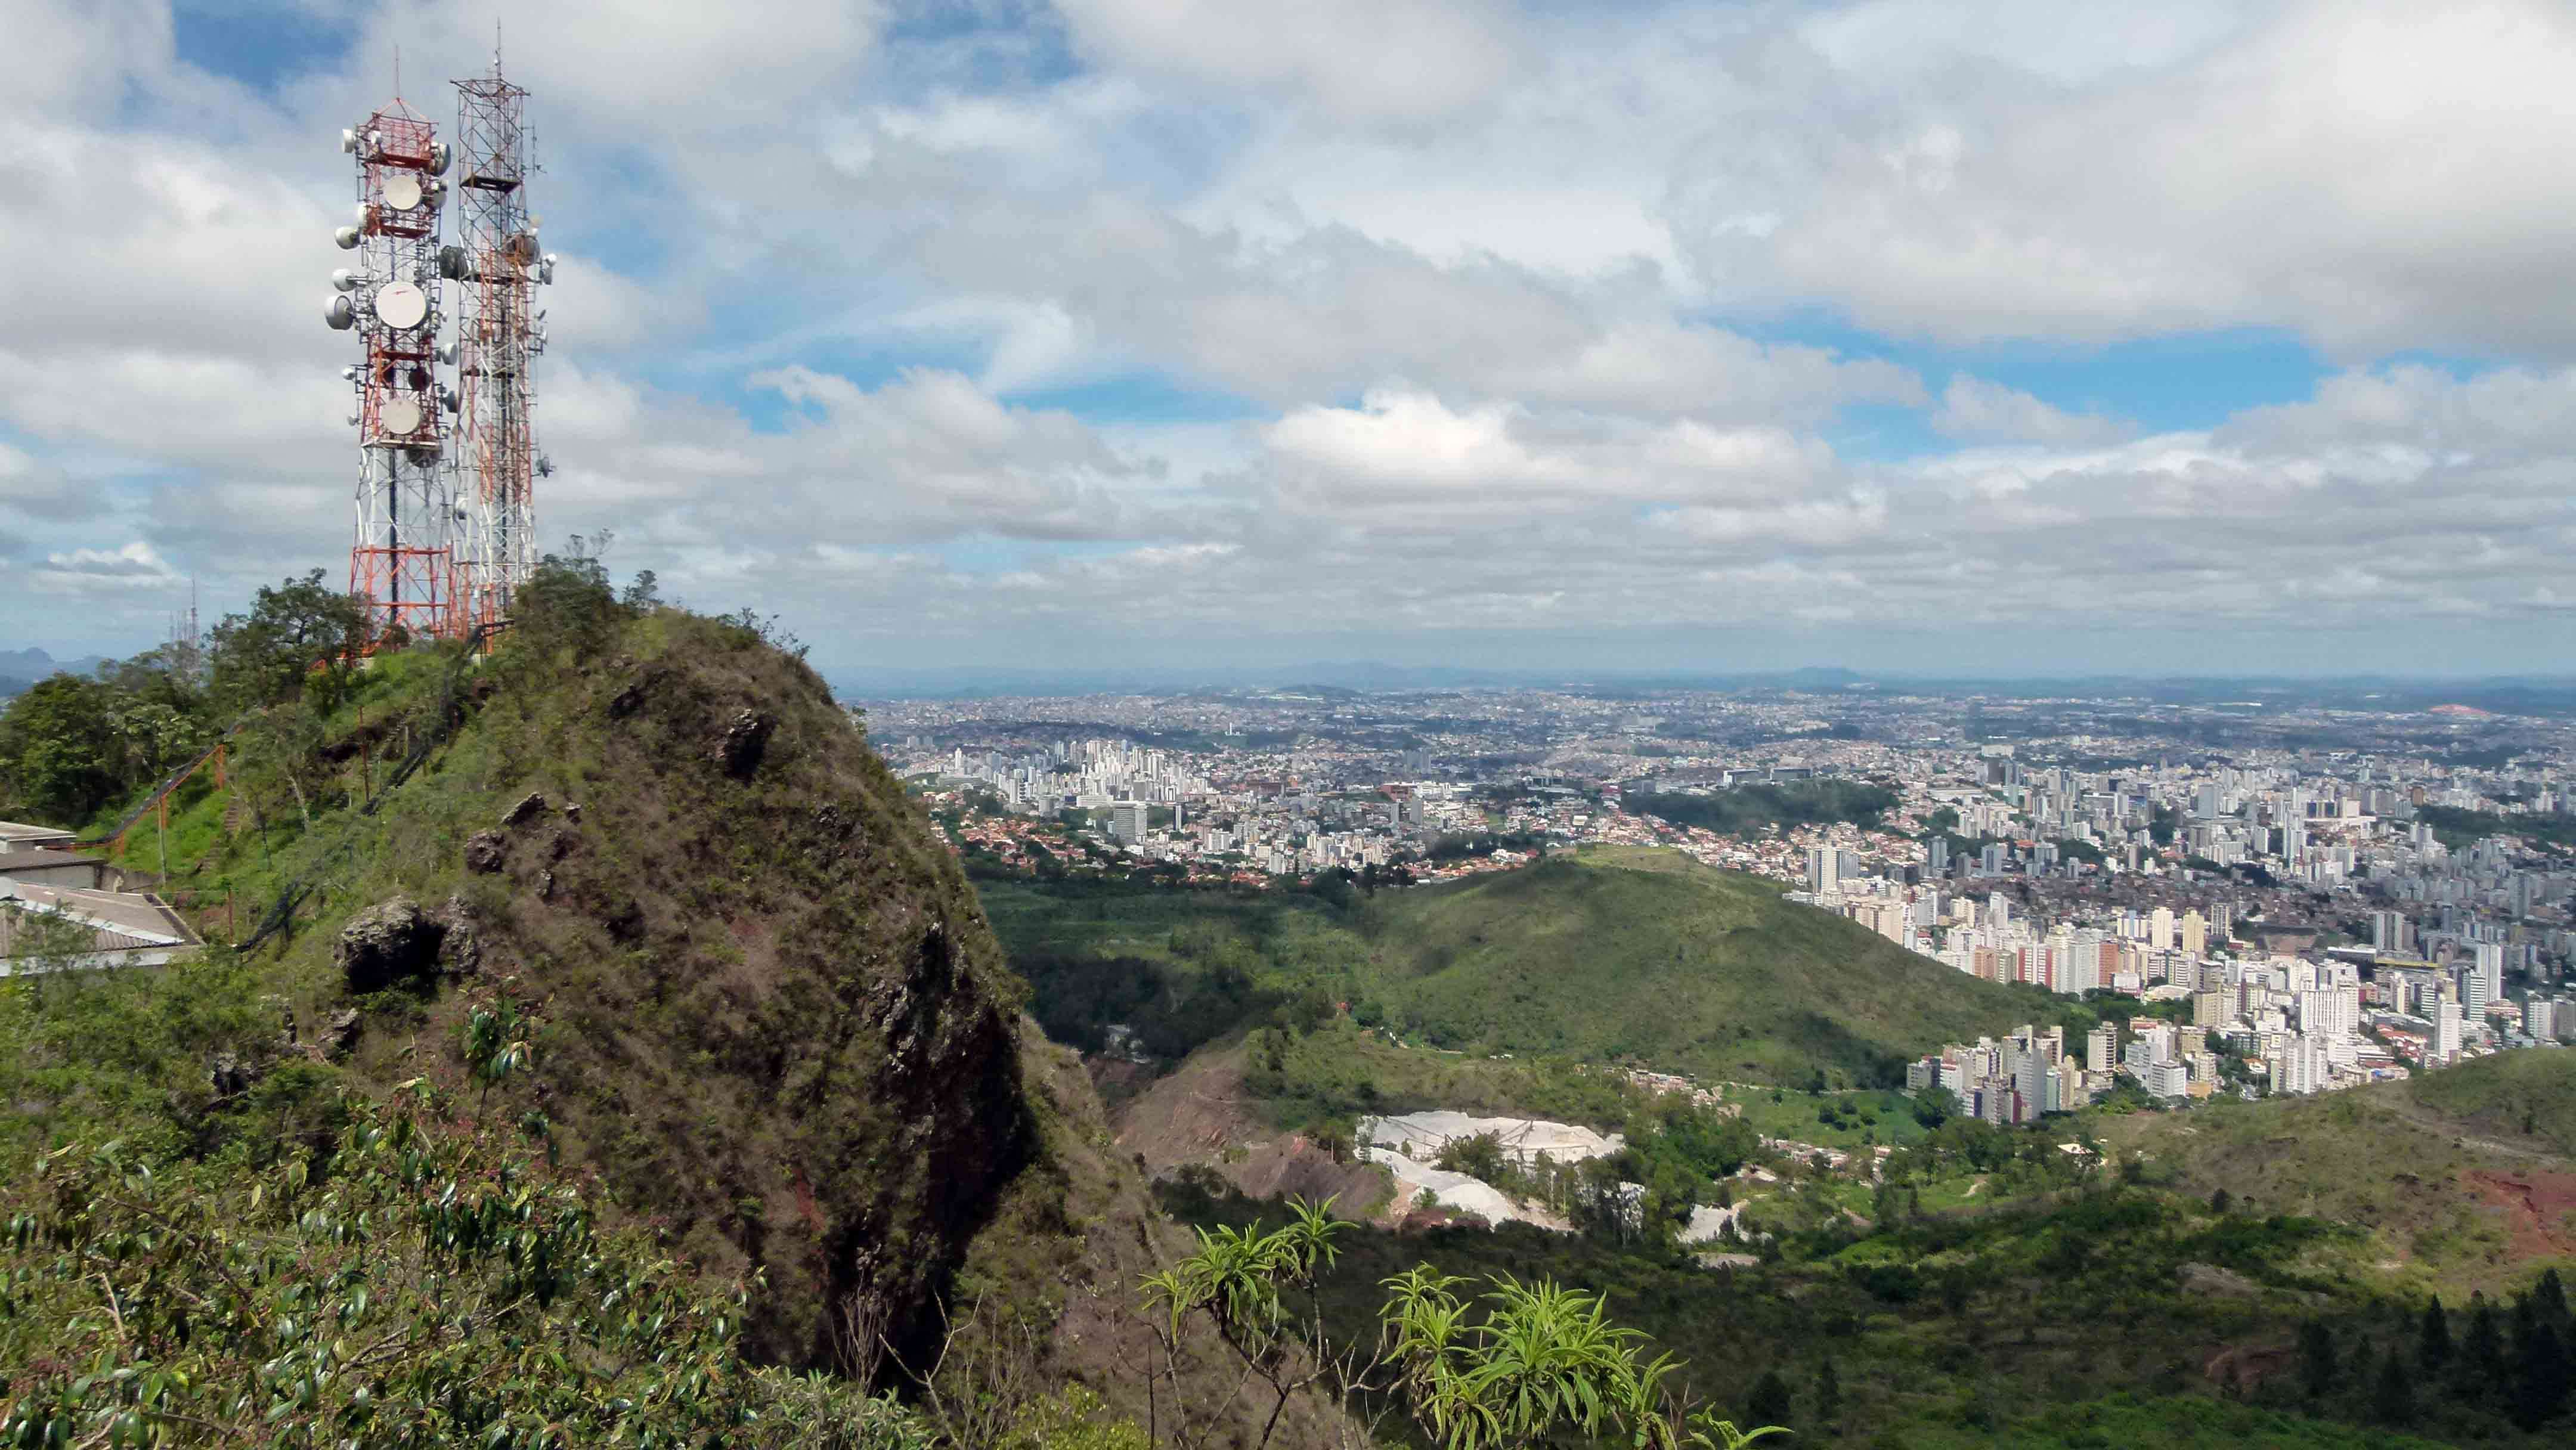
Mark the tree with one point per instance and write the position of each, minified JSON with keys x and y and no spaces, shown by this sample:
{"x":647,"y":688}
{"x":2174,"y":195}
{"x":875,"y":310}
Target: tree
{"x":60,"y":753}
{"x":1234,"y":1282}
{"x":2482,"y":1348}
{"x":2316,"y":1359}
{"x":436,"y":1286}
{"x":1543,"y":1363}
{"x":1768,"y":1404}
{"x":2549,"y":1299}
{"x":565,"y":603}
{"x":2433,"y":1348}
{"x":301,"y":638}
{"x":1829,"y":1393}
{"x":2392,"y":1394}
{"x":2540,"y":1380}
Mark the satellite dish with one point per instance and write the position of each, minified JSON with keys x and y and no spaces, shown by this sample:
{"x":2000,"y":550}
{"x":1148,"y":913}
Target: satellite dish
{"x":349,"y":141}
{"x":438,"y":158}
{"x":402,"y":191}
{"x":344,"y":280}
{"x":401,"y":416}
{"x":401,"y":305}
{"x":339,"y":313}
{"x":347,"y":237}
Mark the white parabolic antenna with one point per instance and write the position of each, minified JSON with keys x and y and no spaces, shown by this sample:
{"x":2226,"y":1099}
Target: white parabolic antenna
{"x":401,"y":417}
{"x":402,"y":191}
{"x":401,"y":305}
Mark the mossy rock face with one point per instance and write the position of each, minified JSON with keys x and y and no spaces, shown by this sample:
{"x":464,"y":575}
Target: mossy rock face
{"x":772,"y":1017}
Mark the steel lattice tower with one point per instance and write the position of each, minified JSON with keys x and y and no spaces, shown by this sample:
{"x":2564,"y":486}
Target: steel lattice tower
{"x":401,"y":563}
{"x":497,"y":261}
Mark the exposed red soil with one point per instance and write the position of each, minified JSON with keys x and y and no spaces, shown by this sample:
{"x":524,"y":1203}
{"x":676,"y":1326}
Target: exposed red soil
{"x":2537,"y":1206}
{"x":1190,"y":1116}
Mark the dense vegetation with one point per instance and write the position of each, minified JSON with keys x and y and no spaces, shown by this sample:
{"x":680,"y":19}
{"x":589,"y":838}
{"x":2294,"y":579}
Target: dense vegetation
{"x":769,"y":1038}
{"x":1749,"y":810}
{"x":2458,"y":828}
{"x":1604,"y":955}
{"x":1623,"y":953}
{"x":2048,"y":1303}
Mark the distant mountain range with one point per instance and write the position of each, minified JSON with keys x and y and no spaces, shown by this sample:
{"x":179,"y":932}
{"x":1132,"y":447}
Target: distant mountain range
{"x":20,"y":668}
{"x":2523,"y":694}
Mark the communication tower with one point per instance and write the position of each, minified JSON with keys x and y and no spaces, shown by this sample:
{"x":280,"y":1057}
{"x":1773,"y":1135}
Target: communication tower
{"x":401,"y":564}
{"x":497,"y":264}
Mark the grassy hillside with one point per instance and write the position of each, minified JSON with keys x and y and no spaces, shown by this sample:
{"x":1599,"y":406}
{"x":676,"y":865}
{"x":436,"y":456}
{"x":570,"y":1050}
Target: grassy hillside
{"x":2421,"y":1166}
{"x":2525,"y":1094}
{"x":1634,"y":953}
{"x":769,"y":1029}
{"x":1612,"y":953}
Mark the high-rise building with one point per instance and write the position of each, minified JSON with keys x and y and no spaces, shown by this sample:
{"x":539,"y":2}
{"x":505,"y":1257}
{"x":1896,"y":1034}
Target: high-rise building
{"x":2101,"y":1047}
{"x":2160,"y":928}
{"x":2391,"y":934}
{"x":1127,"y":820}
{"x":2195,"y":933}
{"x":2490,"y":969}
{"x":2445,"y":1044}
{"x":1824,"y":870}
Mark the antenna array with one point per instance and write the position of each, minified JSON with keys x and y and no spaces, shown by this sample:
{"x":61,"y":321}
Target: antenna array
{"x":444,"y":536}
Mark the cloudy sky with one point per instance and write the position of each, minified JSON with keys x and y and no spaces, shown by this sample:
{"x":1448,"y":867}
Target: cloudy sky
{"x":1998,"y":337}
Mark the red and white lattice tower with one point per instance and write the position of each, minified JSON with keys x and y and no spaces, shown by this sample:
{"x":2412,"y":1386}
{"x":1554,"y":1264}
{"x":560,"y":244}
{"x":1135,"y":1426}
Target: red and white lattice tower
{"x":498,"y":265}
{"x":401,"y":563}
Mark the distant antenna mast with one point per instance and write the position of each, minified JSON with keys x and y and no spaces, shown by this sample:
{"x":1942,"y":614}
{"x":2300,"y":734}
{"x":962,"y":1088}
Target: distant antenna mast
{"x":401,"y":563}
{"x":498,"y":260}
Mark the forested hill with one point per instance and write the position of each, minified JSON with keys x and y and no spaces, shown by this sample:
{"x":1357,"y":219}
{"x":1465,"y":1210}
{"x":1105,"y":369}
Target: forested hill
{"x":1622,"y":952}
{"x":1613,"y":953}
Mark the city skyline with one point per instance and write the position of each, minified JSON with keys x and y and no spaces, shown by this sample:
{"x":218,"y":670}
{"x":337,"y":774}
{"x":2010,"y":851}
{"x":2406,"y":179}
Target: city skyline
{"x":1966,"y":341}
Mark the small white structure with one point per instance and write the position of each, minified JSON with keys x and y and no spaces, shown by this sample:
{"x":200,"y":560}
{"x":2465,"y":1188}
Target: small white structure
{"x":110,"y":928}
{"x":16,"y":836}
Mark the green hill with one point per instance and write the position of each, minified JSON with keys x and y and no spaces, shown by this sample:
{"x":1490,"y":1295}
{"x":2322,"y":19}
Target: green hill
{"x":1623,"y":952}
{"x":2526,"y":1094}
{"x":767,"y":1044}
{"x":1612,"y":953}
{"x":2424,"y":1166}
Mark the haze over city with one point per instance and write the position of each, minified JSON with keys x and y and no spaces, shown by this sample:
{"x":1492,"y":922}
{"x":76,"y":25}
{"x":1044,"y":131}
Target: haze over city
{"x":1950,"y":338}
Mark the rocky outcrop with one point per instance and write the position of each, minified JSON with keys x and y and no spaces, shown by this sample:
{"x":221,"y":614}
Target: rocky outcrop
{"x":395,"y":942}
{"x":387,"y":945}
{"x":744,"y":741}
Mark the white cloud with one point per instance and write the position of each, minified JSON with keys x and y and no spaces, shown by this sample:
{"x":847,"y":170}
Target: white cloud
{"x":1362,"y":60}
{"x":1425,"y":313}
{"x":135,"y":566}
{"x":1974,"y":408}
